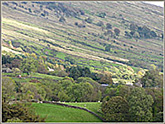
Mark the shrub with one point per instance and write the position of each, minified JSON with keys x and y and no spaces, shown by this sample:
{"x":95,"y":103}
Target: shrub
{"x":89,"y":20}
{"x":62,"y":19}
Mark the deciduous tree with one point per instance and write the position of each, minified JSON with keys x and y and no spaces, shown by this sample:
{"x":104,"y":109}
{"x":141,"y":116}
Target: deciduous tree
{"x":115,"y":109}
{"x":140,"y":105}
{"x":117,"y":31}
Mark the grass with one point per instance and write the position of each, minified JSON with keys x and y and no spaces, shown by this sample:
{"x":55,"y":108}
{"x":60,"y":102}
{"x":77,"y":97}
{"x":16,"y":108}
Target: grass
{"x":22,"y":80}
{"x":46,"y":76}
{"x":56,"y":113}
{"x":27,"y":79}
{"x":90,"y":48}
{"x":93,"y":106}
{"x":61,"y":55}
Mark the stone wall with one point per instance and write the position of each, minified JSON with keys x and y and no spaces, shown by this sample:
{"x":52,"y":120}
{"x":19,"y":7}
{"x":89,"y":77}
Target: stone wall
{"x":76,"y":107}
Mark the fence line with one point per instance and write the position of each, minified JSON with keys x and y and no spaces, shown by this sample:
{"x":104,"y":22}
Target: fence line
{"x":70,"y":106}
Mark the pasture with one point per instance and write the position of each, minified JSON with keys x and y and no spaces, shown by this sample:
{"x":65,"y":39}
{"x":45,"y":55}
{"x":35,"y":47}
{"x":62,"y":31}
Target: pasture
{"x":57,"y":113}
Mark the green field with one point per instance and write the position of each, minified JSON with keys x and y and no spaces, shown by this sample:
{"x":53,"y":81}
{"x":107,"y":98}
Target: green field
{"x":56,"y":113}
{"x":46,"y":76}
{"x":33,"y":76}
{"x":93,"y":106}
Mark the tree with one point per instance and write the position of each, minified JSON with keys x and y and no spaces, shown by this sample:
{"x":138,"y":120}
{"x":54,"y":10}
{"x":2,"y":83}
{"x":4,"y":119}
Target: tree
{"x":133,"y":27}
{"x":76,"y":23}
{"x":86,"y":90}
{"x":7,"y":58}
{"x":89,"y":20}
{"x":8,"y":88}
{"x":136,"y":35}
{"x":115,"y":109}
{"x":158,"y":117}
{"x":100,"y":23}
{"x":140,"y":105}
{"x":108,"y":48}
{"x":123,"y":91}
{"x":153,"y":34}
{"x":30,"y":10}
{"x":106,"y":78}
{"x":96,"y":93}
{"x":127,"y":34}
{"x":152,"y":78}
{"x":16,"y":63}
{"x":42,"y":68}
{"x":157,"y":107}
{"x":78,"y":71}
{"x":75,"y":93}
{"x":117,"y":31}
{"x":144,"y":32}
{"x":29,"y":65}
{"x":70,"y":59}
{"x":62,"y":19}
{"x":108,"y":26}
{"x":102,"y":14}
{"x":74,"y":72}
{"x":19,"y":111}
{"x":63,"y":96}
{"x":110,"y":32}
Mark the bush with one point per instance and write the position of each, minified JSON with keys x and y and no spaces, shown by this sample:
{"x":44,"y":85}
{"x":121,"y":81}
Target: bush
{"x":89,"y":20}
{"x":62,"y":19}
{"x":117,"y":31}
{"x":100,"y":23}
{"x":108,"y":26}
{"x":102,"y":15}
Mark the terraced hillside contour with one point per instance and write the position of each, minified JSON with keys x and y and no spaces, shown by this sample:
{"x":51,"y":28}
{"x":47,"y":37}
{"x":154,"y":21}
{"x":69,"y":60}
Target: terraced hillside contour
{"x":100,"y":35}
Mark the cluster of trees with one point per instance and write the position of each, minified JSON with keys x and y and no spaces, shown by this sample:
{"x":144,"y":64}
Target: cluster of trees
{"x":140,"y":32}
{"x":119,"y":103}
{"x":9,"y":58}
{"x":108,"y":29}
{"x":133,"y":104}
{"x":101,"y":14}
{"x":19,"y":112}
{"x":83,"y":90}
{"x":152,"y":78}
{"x":33,"y":63}
{"x":77,"y":71}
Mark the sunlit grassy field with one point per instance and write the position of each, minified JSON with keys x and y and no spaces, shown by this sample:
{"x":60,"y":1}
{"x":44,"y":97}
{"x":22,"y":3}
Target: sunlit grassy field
{"x":93,"y":106}
{"x":57,"y":113}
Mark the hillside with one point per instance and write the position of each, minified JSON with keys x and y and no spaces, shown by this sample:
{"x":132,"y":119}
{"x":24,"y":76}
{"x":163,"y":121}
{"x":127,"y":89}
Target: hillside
{"x":91,"y":61}
{"x":85,"y":31}
{"x":56,"y":113}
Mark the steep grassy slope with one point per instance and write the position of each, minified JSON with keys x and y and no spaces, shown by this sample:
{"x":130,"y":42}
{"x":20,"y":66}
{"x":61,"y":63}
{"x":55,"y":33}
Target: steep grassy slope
{"x":35,"y":27}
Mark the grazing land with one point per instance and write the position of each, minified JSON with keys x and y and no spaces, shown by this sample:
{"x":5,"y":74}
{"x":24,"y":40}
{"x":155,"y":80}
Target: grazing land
{"x":57,"y":113}
{"x":104,"y":56}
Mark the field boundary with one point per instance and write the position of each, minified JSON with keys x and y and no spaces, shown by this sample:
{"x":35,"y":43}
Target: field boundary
{"x":70,"y":106}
